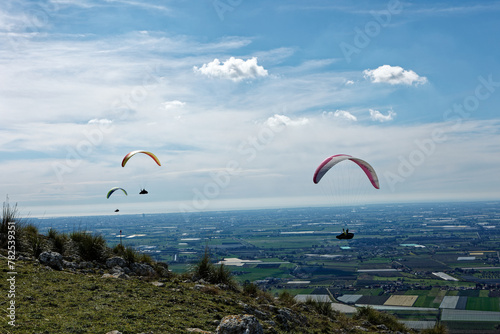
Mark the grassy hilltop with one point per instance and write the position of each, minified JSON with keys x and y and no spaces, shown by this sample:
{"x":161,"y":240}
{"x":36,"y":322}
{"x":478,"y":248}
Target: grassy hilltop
{"x":83,"y":297}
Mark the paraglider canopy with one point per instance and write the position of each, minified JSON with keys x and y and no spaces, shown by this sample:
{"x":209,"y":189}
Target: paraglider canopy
{"x":112,"y":190}
{"x":143,"y":192}
{"x":325,"y":166}
{"x":131,"y":154}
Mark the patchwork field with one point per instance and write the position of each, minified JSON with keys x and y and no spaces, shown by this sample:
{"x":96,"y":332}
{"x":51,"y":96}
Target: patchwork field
{"x":401,"y":300}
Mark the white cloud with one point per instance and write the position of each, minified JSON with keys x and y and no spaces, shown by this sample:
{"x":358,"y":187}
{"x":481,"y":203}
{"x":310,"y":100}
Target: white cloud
{"x":394,"y":75}
{"x":342,"y":114}
{"x":103,"y":121}
{"x":376,"y":115}
{"x":349,"y":82}
{"x":282,"y":120}
{"x":233,"y":69}
{"x":173,"y":104}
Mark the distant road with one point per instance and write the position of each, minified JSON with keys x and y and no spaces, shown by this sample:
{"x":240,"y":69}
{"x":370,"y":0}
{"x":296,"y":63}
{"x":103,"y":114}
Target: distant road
{"x":481,"y":268}
{"x":375,"y":270}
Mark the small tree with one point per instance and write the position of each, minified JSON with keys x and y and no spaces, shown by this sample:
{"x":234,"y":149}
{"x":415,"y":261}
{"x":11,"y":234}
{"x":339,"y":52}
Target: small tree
{"x":204,"y":269}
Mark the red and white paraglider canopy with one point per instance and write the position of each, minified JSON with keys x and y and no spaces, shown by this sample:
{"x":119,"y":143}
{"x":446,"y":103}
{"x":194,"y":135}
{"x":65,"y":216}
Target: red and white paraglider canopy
{"x":325,"y":166}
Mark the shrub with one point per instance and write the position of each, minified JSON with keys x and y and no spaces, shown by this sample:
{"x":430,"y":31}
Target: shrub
{"x":286,"y":298}
{"x":118,"y":250}
{"x":58,"y":240}
{"x":250,"y":289}
{"x":204,"y":268}
{"x":90,"y":247}
{"x":439,"y":328}
{"x":129,"y":255}
{"x":11,"y":214}
{"x":211,"y":273}
{"x":144,"y":258}
{"x":380,"y":318}
{"x":223,"y":275}
{"x":34,"y":240}
{"x":323,"y":308}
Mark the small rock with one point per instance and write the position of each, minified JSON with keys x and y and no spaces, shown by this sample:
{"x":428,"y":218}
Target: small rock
{"x":359,"y":328}
{"x":121,"y":275}
{"x":116,"y":270}
{"x":197,"y":330}
{"x":142,"y":269}
{"x":382,"y":327}
{"x":158,"y":284}
{"x":51,"y":259}
{"x":239,"y":324}
{"x":116,"y":261}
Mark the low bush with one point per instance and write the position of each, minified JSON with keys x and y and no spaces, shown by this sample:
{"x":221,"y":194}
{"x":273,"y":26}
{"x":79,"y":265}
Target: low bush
{"x":211,"y":273}
{"x":34,"y":241}
{"x":250,"y":289}
{"x":287,"y":298}
{"x":439,"y":328}
{"x":59,"y":240}
{"x":90,"y":247}
{"x":323,"y":308}
{"x":380,"y":318}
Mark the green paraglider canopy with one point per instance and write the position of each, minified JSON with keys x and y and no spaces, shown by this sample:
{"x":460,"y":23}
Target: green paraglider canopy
{"x":112,"y":190}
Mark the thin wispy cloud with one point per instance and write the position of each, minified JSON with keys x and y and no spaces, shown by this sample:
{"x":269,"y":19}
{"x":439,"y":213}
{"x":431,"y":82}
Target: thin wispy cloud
{"x":376,"y":115}
{"x":341,"y":114}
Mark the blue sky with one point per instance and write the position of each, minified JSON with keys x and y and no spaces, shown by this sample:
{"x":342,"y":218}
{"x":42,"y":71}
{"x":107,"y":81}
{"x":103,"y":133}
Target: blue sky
{"x":242,"y":100}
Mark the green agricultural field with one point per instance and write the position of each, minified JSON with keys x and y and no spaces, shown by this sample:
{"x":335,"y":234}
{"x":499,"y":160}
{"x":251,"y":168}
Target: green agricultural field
{"x":426,"y":301}
{"x":251,"y":274}
{"x":484,"y":293}
{"x":418,"y":292}
{"x":416,"y":315}
{"x":370,"y":292}
{"x":483,"y":304}
{"x":474,"y":327}
{"x":285,"y":242}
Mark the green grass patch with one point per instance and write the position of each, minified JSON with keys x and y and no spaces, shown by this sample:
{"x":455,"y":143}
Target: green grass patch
{"x":483,"y":304}
{"x":370,"y":292}
{"x":426,"y":301}
{"x":472,"y":327}
{"x":417,"y":292}
{"x":484,"y":293}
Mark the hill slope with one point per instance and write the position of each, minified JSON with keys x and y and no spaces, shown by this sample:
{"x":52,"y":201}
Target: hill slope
{"x":51,"y":301}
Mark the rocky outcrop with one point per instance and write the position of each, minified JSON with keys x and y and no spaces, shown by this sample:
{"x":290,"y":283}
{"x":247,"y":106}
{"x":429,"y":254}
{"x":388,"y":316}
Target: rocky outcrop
{"x":239,"y":324}
{"x":142,"y":269}
{"x":115,"y":261}
{"x":51,"y":259}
